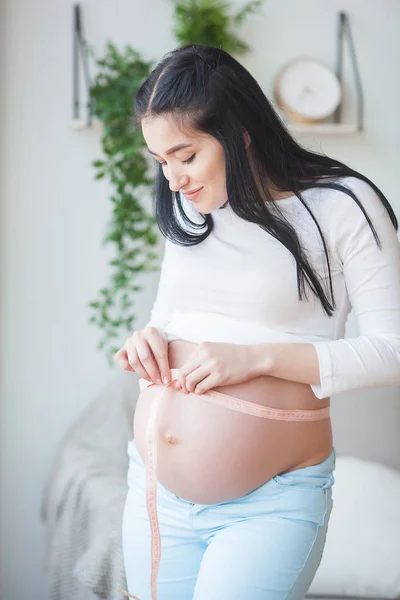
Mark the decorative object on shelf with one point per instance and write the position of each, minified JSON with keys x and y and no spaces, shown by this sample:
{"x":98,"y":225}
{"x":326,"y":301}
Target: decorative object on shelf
{"x":209,"y":22}
{"x":110,"y":99}
{"x":308,"y":92}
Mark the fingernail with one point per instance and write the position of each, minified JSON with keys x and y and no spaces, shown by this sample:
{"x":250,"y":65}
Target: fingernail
{"x":159,"y":381}
{"x":166,"y":380}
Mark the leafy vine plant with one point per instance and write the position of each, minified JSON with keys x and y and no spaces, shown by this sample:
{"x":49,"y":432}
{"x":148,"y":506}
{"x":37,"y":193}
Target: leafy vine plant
{"x":125,"y":162}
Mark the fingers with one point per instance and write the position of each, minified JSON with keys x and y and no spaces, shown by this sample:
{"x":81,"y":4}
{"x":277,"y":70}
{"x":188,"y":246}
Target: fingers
{"x":146,"y":353}
{"x":159,"y":346}
{"x":146,"y":357}
{"x":141,"y":357}
{"x":194,"y":381}
{"x":121,"y":357}
{"x":128,"y":359}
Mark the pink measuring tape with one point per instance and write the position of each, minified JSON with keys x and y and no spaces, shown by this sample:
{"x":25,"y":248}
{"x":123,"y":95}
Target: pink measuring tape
{"x":243,"y":406}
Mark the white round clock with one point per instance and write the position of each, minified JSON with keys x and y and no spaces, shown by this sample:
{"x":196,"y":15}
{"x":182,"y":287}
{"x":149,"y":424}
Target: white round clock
{"x":307,"y":90}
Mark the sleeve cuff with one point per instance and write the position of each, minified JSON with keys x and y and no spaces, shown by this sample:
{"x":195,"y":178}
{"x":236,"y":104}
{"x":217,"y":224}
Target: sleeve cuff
{"x":325,"y":387}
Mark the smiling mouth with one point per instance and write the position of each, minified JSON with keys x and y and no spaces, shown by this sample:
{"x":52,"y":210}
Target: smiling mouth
{"x":193,"y":196}
{"x":191,"y":193}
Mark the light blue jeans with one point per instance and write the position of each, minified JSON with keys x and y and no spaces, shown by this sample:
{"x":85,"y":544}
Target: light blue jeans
{"x":266,"y":545}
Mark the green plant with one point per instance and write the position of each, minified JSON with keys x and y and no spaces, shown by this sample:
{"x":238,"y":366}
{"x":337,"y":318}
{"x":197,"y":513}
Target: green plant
{"x":209,"y":22}
{"x":132,"y":229}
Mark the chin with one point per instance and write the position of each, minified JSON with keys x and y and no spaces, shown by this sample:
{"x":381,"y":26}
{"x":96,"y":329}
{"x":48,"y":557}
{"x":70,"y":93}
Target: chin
{"x":203,"y":209}
{"x":206,"y":208}
{"x":210,"y":209}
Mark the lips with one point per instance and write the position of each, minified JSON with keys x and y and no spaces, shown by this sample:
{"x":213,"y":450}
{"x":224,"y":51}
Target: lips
{"x":193,"y":195}
{"x":192,"y":192}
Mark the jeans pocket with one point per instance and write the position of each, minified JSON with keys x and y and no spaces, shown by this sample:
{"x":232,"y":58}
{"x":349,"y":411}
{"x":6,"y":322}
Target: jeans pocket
{"x":305,"y":482}
{"x":313,"y":477}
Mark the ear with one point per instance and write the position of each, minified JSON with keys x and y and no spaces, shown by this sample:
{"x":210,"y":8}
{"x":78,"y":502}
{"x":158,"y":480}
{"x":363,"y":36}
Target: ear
{"x":247,"y":139}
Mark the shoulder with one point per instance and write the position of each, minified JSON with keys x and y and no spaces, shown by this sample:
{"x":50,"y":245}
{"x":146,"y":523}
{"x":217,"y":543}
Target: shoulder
{"x":333,"y":202}
{"x":348,"y":203}
{"x":330,"y":203}
{"x":359,"y":224}
{"x":340,"y":211}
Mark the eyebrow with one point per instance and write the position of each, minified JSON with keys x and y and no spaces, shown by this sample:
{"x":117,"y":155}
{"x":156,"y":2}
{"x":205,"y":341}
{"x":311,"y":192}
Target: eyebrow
{"x":174,"y":149}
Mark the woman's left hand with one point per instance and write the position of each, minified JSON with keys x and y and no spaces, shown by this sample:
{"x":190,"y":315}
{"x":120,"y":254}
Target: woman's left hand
{"x":214,"y":364}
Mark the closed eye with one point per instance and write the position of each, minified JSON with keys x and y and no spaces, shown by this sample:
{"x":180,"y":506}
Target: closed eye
{"x":186,"y":162}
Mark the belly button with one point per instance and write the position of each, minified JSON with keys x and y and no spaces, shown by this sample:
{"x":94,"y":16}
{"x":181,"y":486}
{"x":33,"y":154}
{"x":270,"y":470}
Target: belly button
{"x":171,"y":439}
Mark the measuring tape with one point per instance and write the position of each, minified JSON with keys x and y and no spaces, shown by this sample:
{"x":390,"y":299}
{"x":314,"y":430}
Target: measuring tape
{"x":243,"y":406}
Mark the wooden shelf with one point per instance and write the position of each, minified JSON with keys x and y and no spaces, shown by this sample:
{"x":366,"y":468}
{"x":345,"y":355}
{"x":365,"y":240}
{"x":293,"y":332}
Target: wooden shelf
{"x":328,"y":128}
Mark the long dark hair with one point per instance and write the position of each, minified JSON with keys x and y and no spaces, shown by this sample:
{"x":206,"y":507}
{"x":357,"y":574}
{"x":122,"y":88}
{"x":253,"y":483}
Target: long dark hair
{"x":209,"y":91}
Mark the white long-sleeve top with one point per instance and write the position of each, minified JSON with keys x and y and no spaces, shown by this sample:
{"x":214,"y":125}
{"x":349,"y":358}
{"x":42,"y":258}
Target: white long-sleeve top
{"x":240,"y":286}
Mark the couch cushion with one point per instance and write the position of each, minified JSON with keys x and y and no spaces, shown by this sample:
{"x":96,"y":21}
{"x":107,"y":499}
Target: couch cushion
{"x":362,"y":551}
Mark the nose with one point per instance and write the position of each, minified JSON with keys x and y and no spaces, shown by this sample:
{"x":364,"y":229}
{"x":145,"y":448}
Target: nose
{"x":177,"y":181}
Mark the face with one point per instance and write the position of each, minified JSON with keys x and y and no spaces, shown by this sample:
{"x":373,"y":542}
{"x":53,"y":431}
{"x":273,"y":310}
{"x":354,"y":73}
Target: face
{"x":192,"y":161}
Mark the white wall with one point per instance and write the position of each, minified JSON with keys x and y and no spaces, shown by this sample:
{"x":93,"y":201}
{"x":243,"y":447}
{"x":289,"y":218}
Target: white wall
{"x":54,"y":215}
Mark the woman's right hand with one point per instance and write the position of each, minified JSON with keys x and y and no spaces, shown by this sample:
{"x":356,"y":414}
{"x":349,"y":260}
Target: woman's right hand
{"x":146,"y":353}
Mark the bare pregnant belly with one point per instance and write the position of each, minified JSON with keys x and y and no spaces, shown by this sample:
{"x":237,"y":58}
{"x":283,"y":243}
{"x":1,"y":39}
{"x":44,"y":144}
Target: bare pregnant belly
{"x":209,"y":453}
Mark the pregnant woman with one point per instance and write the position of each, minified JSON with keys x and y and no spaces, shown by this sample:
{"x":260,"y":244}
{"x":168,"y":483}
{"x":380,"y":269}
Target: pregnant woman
{"x":268,"y":248}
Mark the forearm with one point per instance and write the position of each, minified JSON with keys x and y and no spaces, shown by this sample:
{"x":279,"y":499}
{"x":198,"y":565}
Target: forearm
{"x":294,"y":362}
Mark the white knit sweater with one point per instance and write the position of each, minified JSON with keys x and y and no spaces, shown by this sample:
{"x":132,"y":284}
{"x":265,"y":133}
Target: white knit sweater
{"x":240,"y":286}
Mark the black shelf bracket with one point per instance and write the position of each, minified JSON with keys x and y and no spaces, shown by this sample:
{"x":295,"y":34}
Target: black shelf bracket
{"x":343,"y":29}
{"x":80,"y":51}
{"x":80,"y":55}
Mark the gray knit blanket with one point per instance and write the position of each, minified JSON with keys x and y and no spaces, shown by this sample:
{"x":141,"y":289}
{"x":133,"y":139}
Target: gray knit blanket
{"x":84,"y":498}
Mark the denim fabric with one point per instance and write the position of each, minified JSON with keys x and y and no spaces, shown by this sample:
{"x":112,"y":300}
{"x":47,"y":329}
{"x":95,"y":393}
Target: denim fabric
{"x":266,"y":545}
